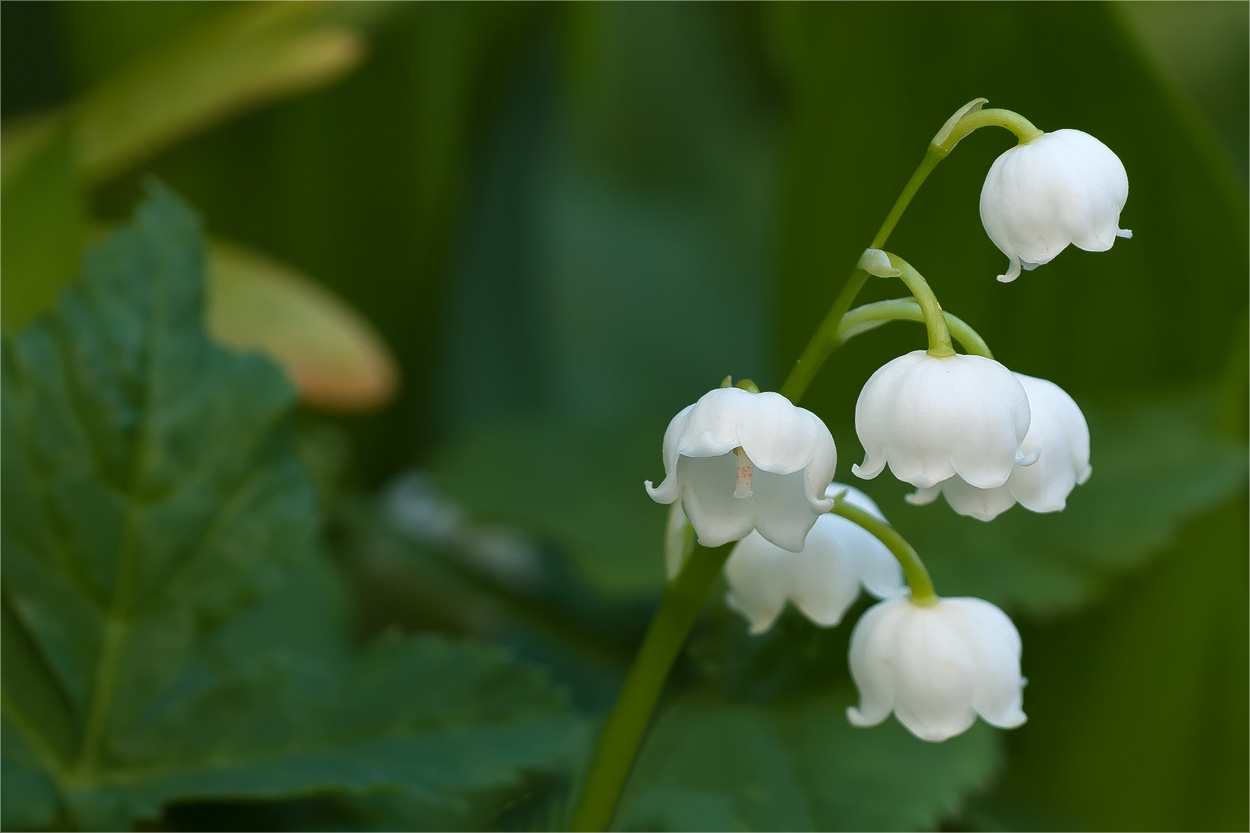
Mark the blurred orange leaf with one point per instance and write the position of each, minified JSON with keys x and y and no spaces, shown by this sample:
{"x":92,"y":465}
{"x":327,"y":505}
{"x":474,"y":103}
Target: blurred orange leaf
{"x":333,"y":355}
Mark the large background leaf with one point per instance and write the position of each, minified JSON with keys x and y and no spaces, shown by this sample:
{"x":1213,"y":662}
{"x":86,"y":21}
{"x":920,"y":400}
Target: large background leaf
{"x":437,"y":721}
{"x":799,"y":766}
{"x":1158,"y":462}
{"x":151,"y":491}
{"x":144,"y":494}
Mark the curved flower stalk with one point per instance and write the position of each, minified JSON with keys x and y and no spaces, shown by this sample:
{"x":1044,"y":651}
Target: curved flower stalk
{"x":740,"y":461}
{"x":822,"y":580}
{"x":937,"y":667}
{"x":1061,"y":188}
{"x":754,"y":468}
{"x":932,"y":418}
{"x":1058,"y":435}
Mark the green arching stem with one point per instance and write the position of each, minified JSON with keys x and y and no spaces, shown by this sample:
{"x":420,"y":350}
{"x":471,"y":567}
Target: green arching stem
{"x":869,"y":316}
{"x":622,"y":734}
{"x":917,"y":576}
{"x":934,"y":318}
{"x":824,"y":339}
{"x":975,"y":120}
{"x":932,"y":156}
{"x":626,"y":725}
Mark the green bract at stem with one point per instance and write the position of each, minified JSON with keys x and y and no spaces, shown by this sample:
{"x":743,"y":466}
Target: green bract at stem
{"x":748,"y":385}
{"x":623,"y":732}
{"x":870,"y":316}
{"x":917,"y":576}
{"x":934,"y":318}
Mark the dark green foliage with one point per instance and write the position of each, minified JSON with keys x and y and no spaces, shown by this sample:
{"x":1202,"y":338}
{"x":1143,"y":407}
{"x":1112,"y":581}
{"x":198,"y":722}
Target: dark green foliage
{"x":1158,"y":700}
{"x":1157,"y":461}
{"x":569,"y":221}
{"x":151,"y":495}
{"x":560,"y":509}
{"x":799,"y":765}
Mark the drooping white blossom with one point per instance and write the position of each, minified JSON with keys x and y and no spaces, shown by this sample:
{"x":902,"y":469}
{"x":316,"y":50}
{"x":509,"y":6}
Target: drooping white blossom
{"x":931,"y":418}
{"x":1058,"y":435}
{"x":822,"y":580}
{"x":1062,"y":188}
{"x":740,"y":461}
{"x":937,"y":667}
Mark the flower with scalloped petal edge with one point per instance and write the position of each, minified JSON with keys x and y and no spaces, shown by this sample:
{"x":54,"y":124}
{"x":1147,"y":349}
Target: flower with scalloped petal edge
{"x":937,"y":667}
{"x":1058,"y":434}
{"x":931,"y":418}
{"x":1062,"y":188}
{"x":740,"y":461}
{"x":822,"y":580}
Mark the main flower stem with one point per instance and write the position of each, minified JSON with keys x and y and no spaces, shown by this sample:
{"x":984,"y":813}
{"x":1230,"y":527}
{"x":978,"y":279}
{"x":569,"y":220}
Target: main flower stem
{"x":622,"y":734}
{"x":918,"y":580}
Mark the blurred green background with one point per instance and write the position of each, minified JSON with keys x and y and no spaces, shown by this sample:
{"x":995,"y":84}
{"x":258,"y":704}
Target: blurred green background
{"x":558,"y":224}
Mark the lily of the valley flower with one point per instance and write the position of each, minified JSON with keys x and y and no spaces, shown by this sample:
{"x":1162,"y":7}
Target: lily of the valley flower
{"x":823,"y":580}
{"x":937,"y":667}
{"x":932,"y":418}
{"x":740,"y":461}
{"x":1060,"y":188}
{"x":1058,"y":434}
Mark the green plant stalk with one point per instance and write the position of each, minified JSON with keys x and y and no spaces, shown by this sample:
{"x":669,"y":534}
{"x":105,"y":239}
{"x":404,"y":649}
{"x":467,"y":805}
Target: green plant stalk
{"x":917,"y":575}
{"x":824,"y":339}
{"x":934,"y":318}
{"x":1023,"y":129}
{"x":823,"y":342}
{"x":870,"y":316}
{"x":623,"y":732}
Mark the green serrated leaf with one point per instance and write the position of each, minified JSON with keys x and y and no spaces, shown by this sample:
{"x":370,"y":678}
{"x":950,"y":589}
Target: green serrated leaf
{"x":28,"y":795}
{"x":147,"y":493}
{"x":799,"y":765}
{"x":152,"y":494}
{"x":434,"y":720}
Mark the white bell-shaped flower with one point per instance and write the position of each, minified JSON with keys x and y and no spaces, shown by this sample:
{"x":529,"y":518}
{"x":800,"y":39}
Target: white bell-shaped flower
{"x":932,"y":418}
{"x":1060,"y":188}
{"x":937,"y":667}
{"x":739,"y":461}
{"x":823,"y":579}
{"x":1058,"y":434}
